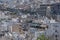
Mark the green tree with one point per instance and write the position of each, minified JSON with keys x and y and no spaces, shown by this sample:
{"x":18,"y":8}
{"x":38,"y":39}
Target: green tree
{"x":42,"y":37}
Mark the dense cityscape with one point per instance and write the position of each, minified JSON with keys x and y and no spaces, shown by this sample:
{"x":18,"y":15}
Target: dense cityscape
{"x":29,"y":19}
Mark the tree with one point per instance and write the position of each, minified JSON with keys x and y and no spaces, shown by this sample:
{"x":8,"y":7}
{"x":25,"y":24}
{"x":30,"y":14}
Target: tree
{"x":42,"y":37}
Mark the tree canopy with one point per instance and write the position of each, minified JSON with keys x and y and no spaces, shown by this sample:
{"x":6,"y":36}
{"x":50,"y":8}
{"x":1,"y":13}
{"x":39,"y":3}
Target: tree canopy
{"x":42,"y":37}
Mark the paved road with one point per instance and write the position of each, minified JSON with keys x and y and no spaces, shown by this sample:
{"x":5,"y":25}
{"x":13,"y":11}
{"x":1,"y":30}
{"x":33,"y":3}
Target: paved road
{"x":4,"y":38}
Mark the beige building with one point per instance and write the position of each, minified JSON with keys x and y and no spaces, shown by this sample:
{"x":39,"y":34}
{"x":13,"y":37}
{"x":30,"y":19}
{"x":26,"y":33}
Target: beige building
{"x":17,"y":28}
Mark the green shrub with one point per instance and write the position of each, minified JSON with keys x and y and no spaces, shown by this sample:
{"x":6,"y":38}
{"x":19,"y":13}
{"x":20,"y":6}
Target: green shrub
{"x":42,"y":37}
